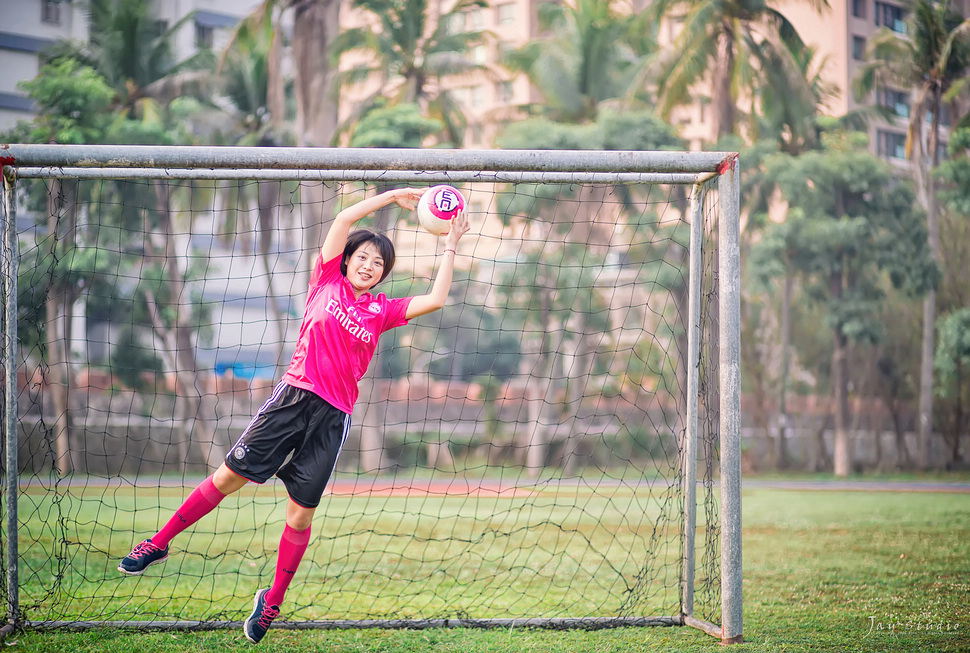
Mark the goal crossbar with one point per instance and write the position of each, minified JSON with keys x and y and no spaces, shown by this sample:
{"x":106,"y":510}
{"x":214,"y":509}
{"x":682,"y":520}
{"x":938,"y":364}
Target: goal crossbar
{"x":384,"y":159}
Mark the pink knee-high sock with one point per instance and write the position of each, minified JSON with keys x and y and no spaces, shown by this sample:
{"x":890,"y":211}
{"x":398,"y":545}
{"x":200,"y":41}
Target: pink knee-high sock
{"x":199,"y":503}
{"x":293,"y":545}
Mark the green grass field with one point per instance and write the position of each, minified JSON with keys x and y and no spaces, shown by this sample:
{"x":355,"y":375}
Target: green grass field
{"x":823,"y":571}
{"x":543,"y":550}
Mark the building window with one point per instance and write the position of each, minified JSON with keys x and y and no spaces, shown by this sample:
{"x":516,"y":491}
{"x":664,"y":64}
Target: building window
{"x":859,"y":8}
{"x":506,"y":14}
{"x":480,"y":55}
{"x":461,"y":95}
{"x":204,"y":36}
{"x":895,"y":101}
{"x":891,"y":145}
{"x":476,"y":20}
{"x":477,"y":96}
{"x":455,"y":24}
{"x":942,"y":151}
{"x":503,"y":92}
{"x":50,"y":12}
{"x":858,"y":48}
{"x":890,"y":16}
{"x":944,"y":116}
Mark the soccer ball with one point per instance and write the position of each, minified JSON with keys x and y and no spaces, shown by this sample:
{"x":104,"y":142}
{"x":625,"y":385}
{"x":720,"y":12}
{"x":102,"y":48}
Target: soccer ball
{"x":438,"y":207}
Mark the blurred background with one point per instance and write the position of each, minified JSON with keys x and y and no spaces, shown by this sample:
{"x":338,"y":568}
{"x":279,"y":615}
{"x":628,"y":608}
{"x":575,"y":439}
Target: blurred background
{"x":851,"y":120}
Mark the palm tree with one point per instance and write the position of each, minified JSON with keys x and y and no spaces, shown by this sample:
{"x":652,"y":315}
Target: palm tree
{"x":72,"y":101}
{"x":135,"y":54}
{"x":409,"y":58}
{"x":251,"y":84}
{"x":716,"y":45}
{"x":933,"y":59}
{"x":315,"y":26}
{"x":792,"y":93}
{"x":591,"y":56}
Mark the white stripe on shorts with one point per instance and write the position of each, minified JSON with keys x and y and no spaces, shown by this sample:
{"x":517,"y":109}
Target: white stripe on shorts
{"x":277,"y":391}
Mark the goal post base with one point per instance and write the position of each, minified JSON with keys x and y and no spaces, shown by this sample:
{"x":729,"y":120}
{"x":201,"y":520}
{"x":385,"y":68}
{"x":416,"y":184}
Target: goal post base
{"x":560,"y":623}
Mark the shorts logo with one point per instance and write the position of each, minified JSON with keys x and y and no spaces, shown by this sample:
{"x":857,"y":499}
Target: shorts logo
{"x":239,"y":453}
{"x":374,"y":308}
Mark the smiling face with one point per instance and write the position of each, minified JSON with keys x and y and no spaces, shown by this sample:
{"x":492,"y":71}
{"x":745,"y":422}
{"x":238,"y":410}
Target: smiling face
{"x":365,"y":267}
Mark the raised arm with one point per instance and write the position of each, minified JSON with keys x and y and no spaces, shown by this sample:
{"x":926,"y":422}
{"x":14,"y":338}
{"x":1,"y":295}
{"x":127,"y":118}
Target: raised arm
{"x":436,"y":298}
{"x":333,"y":244}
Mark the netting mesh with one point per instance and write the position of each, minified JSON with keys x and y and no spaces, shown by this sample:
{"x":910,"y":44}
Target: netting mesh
{"x":517,"y":454}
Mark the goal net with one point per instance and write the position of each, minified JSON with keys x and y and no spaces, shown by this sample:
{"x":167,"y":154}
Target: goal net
{"x":557,"y":447}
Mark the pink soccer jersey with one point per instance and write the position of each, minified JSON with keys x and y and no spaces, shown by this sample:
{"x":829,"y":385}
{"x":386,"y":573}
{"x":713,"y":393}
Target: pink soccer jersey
{"x":339,"y":335}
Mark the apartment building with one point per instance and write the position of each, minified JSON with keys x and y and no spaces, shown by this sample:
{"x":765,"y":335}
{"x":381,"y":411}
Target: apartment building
{"x":840,"y":35}
{"x":29,"y":27}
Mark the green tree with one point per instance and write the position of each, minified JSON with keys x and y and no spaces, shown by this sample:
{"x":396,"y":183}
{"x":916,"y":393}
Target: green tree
{"x":953,"y":177}
{"x":718,"y":44}
{"x":559,"y":304}
{"x":952,"y":363}
{"x":409,"y":57}
{"x":574,"y":231}
{"x":932,"y":58}
{"x":72,"y":101}
{"x":396,"y":125}
{"x":851,"y":227}
{"x":791,"y":96}
{"x":954,"y":291}
{"x":133,"y":55}
{"x":251,"y":87}
{"x":314,"y":26}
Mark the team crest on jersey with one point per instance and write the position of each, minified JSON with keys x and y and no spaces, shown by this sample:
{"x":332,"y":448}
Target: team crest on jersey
{"x":239,"y":453}
{"x":374,"y":308}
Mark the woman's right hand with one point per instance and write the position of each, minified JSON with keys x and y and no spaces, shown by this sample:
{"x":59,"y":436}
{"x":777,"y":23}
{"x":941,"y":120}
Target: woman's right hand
{"x":406,"y":198}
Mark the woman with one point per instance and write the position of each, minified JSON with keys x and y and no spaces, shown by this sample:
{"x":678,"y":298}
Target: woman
{"x":308,"y":413}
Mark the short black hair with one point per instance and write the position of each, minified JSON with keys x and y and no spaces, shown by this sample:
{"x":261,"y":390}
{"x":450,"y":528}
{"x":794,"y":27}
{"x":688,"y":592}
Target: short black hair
{"x":361,"y":237}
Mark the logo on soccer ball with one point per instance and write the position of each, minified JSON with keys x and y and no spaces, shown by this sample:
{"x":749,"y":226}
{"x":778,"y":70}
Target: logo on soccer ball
{"x":447,"y":200}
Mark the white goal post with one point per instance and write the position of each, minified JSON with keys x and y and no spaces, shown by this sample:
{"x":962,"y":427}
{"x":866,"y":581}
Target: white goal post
{"x":699,"y":174}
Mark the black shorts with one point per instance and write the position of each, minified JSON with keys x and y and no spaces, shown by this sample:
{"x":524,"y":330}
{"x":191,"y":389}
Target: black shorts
{"x":295,"y":424}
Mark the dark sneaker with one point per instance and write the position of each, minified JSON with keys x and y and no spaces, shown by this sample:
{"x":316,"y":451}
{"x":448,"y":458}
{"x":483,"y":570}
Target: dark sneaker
{"x":142,"y":557}
{"x":261,"y":618}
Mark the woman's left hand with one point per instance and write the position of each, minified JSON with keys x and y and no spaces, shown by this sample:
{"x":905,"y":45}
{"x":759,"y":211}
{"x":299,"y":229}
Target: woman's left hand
{"x":459,"y":227}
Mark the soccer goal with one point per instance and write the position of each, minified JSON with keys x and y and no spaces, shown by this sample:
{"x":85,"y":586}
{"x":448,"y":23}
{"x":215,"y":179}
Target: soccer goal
{"x":558,"y":447}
